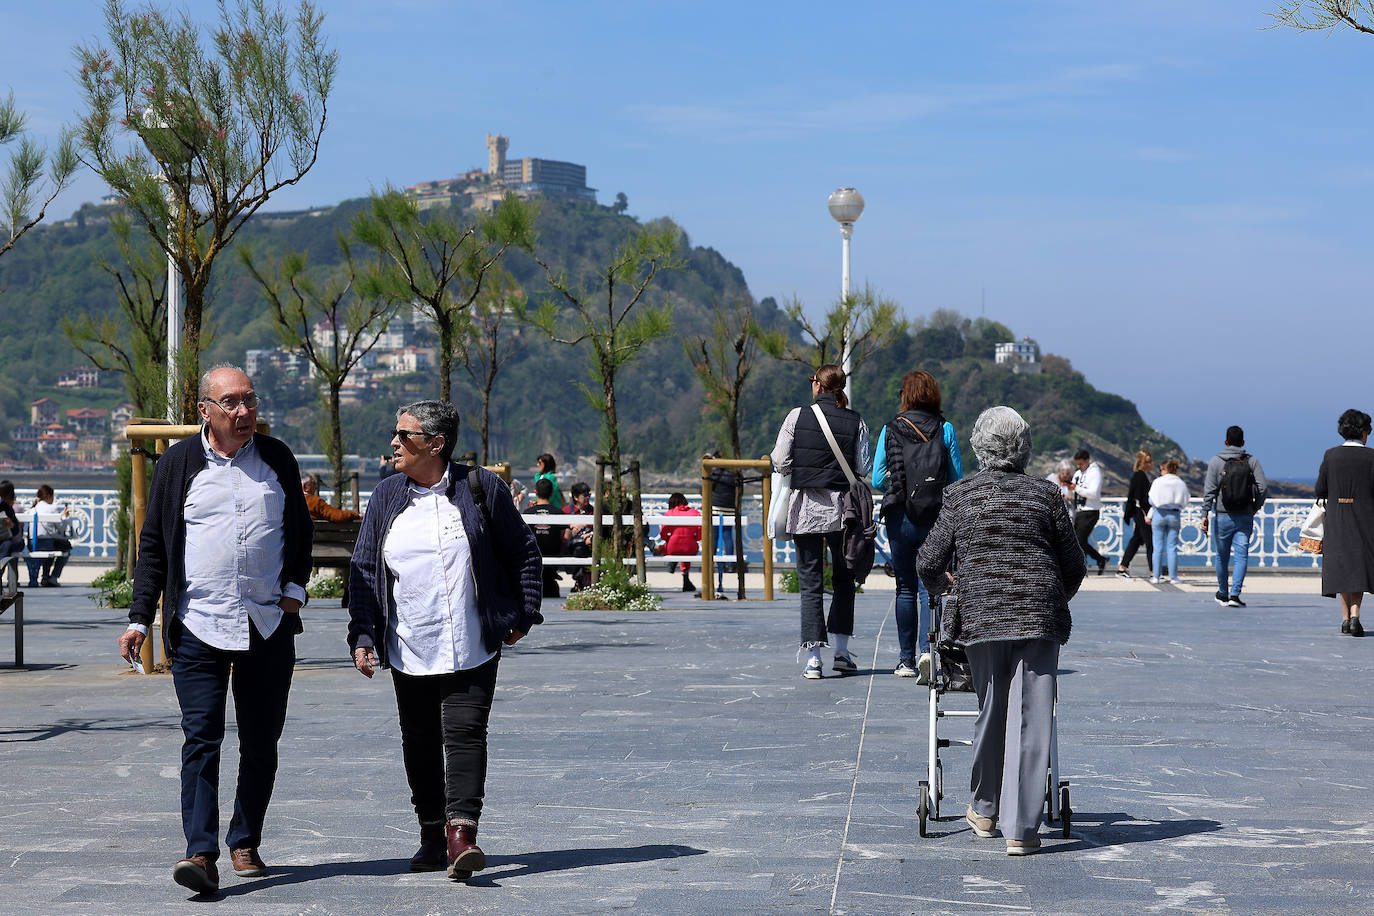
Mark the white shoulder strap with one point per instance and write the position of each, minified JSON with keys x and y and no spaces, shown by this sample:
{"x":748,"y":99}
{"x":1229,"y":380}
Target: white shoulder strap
{"x":834,"y":446}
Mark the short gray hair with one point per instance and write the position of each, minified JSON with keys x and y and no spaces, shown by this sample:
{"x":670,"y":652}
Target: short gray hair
{"x":203,"y":391}
{"x":1001,"y":439}
{"x":437,"y":418}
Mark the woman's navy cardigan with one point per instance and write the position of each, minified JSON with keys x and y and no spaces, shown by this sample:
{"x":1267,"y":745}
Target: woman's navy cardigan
{"x":505,"y":560}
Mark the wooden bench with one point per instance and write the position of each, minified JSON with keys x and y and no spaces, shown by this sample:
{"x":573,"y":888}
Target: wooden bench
{"x":333,"y":548}
{"x":12,"y":597}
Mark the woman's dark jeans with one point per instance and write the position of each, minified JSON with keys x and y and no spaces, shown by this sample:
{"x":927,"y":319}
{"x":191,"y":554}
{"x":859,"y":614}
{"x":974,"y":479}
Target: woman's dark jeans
{"x":905,"y":538}
{"x":811,"y":579}
{"x":444,"y":740}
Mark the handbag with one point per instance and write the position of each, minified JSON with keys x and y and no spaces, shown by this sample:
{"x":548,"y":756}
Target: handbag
{"x":859,"y":530}
{"x":1313,"y":529}
{"x":777,"y":510}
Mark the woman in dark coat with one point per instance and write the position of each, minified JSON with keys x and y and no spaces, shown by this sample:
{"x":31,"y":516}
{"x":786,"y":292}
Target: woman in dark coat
{"x":1137,"y":504}
{"x":1346,"y":482}
{"x":1019,"y":564}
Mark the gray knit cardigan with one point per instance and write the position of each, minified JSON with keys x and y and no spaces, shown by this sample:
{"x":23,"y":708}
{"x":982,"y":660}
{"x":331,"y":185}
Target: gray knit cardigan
{"x":1018,"y":561}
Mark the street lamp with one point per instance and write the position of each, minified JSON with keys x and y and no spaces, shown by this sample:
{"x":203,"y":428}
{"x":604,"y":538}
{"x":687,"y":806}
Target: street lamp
{"x":846,"y":205}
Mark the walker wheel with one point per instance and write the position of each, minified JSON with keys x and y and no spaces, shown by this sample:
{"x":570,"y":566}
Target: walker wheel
{"x":1065,"y":812}
{"x":923,"y":806}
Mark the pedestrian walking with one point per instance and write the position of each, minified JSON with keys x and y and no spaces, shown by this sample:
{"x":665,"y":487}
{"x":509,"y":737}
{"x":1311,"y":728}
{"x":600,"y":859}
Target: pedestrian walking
{"x":1346,"y":482}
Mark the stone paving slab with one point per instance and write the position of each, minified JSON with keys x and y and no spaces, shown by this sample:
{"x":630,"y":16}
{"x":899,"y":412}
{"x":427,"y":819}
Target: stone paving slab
{"x":676,"y":762}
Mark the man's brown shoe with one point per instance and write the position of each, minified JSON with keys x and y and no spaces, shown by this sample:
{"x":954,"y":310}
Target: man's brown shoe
{"x":247,"y":863}
{"x":464,"y":855}
{"x":198,"y":873}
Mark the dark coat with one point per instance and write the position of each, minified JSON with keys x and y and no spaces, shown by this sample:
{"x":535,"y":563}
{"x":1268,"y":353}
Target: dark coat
{"x":161,"y":568}
{"x":505,"y":561}
{"x":1019,"y":560}
{"x":1346,"y":482}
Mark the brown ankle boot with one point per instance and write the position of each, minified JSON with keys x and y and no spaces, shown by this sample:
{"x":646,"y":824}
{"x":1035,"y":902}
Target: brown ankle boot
{"x":464,"y":855}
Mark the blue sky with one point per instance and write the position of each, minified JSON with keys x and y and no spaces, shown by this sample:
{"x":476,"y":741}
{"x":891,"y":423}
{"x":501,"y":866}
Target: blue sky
{"x":1168,"y":193}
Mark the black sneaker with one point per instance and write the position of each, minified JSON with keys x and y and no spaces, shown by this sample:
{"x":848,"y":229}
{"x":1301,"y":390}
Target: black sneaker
{"x":1345,"y":626}
{"x":1356,"y":628}
{"x":1234,"y":601}
{"x":844,"y":664}
{"x":1222,"y":599}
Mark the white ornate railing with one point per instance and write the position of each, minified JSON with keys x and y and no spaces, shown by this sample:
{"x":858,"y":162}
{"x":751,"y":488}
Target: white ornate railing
{"x":1275,"y":542}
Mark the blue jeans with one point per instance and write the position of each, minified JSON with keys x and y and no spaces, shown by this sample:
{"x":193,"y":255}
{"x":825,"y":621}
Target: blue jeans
{"x":1232,"y":534}
{"x":1165,"y":527}
{"x":260,"y":678}
{"x":904,"y":539}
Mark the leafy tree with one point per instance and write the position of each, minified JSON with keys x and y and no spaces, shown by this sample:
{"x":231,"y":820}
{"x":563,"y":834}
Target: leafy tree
{"x":25,"y":174}
{"x":616,"y":321}
{"x":1326,"y":15}
{"x":622,"y":203}
{"x":331,"y":322}
{"x":221,"y":126}
{"x":488,"y":343}
{"x":134,"y":344}
{"x":724,"y":362}
{"x":436,"y":261}
{"x":868,"y":321}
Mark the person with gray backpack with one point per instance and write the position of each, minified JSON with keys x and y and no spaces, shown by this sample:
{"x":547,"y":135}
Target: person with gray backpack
{"x":1236,"y":487}
{"x":916,"y":458}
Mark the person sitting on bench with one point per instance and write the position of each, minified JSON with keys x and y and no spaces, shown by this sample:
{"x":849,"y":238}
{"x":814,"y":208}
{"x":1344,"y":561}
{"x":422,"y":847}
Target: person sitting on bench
{"x":320,"y":509}
{"x":50,"y":532}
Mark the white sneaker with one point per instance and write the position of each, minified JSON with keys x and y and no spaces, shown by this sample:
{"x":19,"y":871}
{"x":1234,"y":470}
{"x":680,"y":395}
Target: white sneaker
{"x":812,"y":671}
{"x":1175,"y":581}
{"x":1154,"y":580}
{"x":924,"y":666}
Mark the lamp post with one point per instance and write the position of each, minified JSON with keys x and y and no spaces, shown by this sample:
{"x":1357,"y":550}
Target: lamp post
{"x":152,"y":121}
{"x":846,"y":206}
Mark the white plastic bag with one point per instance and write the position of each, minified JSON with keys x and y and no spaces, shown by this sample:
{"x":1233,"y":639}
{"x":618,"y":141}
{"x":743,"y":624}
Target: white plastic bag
{"x":1313,"y":529}
{"x":777,"y":511}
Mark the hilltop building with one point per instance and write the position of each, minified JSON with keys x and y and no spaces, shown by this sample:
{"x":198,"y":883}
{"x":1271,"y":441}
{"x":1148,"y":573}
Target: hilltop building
{"x":1022,"y":357}
{"x":526,"y":178}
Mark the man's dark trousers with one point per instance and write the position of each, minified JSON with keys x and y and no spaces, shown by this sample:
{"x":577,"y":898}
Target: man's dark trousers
{"x":261,"y":680}
{"x":1083,"y":524}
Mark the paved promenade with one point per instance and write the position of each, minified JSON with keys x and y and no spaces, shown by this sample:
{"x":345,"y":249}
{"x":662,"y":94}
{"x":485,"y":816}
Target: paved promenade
{"x":677,"y":762}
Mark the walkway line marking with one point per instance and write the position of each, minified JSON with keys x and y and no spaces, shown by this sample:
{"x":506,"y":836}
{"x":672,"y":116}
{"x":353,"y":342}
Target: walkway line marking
{"x":859,"y":755}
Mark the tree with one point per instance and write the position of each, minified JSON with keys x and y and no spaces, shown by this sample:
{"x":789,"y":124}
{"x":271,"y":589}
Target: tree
{"x":723,"y":363}
{"x":622,"y":203}
{"x":437,"y":262}
{"x":1326,"y":15}
{"x":868,"y":321}
{"x":331,"y":322}
{"x":135,"y":344}
{"x":25,"y":175}
{"x":617,"y":322}
{"x":487,"y":342}
{"x":221,"y":126}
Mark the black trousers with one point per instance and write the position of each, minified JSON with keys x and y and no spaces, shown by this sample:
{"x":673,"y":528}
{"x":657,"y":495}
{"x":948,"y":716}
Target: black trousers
{"x":1083,"y":524}
{"x":1140,"y":534}
{"x":811,"y":580}
{"x":444,"y":740}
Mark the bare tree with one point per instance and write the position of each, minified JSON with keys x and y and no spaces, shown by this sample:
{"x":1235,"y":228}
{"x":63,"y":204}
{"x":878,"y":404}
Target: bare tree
{"x":25,"y":176}
{"x":437,"y":262}
{"x":1325,"y":15}
{"x":614,"y":319}
{"x":331,"y":322}
{"x":488,"y":341}
{"x":724,"y":361}
{"x":221,"y":123}
{"x":135,"y":342}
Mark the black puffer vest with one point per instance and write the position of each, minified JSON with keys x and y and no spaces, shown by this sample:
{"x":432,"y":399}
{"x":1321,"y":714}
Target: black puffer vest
{"x":813,"y":463}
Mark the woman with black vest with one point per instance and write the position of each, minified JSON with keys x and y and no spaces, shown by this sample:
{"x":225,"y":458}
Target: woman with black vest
{"x":814,"y":512}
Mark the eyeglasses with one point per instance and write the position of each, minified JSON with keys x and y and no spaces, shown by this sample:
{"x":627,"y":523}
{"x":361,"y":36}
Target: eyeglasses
{"x":404,"y":434}
{"x":813,"y":379}
{"x":231,"y":405}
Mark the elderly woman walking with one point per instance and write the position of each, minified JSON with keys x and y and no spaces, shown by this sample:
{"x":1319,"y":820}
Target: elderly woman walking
{"x":1346,"y":482}
{"x":1019,"y":563}
{"x":444,"y":573}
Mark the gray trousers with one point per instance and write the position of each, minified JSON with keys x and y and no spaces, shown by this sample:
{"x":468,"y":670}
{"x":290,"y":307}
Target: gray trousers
{"x":1015,"y":682}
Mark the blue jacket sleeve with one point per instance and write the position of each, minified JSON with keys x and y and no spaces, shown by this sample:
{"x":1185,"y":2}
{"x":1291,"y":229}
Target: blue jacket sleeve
{"x":880,"y":461}
{"x":956,"y":460}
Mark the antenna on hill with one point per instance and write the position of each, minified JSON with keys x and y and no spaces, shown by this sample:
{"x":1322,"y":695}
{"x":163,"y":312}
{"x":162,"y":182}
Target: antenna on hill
{"x":983,"y":300}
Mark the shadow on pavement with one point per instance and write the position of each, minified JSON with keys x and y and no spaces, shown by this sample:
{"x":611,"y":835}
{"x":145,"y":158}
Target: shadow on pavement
{"x":1093,"y":831}
{"x":67,"y":726}
{"x":535,"y":863}
{"x":282,"y":875}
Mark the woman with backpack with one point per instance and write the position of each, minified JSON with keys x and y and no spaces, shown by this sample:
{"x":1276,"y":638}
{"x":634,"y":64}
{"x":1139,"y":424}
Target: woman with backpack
{"x":921,"y":438}
{"x":815,"y":512}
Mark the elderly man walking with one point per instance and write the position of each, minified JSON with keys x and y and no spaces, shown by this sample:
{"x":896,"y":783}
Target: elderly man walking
{"x":226,"y":545}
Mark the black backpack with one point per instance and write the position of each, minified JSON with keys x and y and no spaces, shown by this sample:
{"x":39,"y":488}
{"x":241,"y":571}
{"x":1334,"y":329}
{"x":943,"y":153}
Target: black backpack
{"x":1238,"y":485}
{"x":920,"y":485}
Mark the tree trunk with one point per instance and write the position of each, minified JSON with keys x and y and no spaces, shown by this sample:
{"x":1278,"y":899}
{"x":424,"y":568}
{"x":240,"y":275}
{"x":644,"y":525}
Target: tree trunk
{"x":613,"y":455}
{"x":186,"y":364}
{"x":486,"y":409}
{"x":336,"y":442}
{"x":445,"y":325}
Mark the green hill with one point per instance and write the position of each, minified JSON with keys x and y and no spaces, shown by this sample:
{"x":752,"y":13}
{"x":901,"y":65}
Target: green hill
{"x":536,"y":408}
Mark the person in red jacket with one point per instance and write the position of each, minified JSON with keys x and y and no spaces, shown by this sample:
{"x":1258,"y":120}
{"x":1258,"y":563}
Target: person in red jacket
{"x":681,"y":540}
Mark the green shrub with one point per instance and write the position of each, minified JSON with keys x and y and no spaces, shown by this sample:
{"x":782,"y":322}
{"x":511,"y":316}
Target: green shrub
{"x":788,"y":582}
{"x":113,"y":589}
{"x":614,"y":590}
{"x":325,"y":585}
